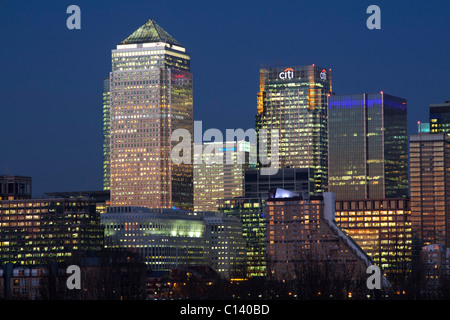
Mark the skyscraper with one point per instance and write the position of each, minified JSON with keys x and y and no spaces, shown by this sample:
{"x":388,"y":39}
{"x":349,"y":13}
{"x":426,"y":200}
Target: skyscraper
{"x":293,"y":101}
{"x":440,"y":117}
{"x":150,"y":96}
{"x":430,"y":188}
{"x":368,"y":146}
{"x":219,"y":172}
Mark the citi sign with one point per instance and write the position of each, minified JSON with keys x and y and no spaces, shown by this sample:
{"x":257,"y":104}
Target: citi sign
{"x":287,"y":74}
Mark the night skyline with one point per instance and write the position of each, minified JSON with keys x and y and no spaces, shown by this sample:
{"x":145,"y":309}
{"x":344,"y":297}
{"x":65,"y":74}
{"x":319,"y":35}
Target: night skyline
{"x":52,"y":77}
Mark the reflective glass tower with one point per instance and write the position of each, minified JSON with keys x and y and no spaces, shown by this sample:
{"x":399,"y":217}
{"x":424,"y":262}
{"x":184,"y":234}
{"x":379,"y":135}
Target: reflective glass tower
{"x":368,"y":146}
{"x":150,"y":96}
{"x":250,"y":211}
{"x":293,"y":101}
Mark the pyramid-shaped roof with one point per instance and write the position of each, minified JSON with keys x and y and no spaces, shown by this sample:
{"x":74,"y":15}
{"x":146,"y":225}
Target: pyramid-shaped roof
{"x":150,"y":32}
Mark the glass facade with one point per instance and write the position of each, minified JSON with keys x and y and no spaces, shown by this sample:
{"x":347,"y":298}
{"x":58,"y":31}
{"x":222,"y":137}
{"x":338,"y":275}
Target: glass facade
{"x":395,"y":146}
{"x":294,"y":102}
{"x":165,"y":239}
{"x":151,"y":96}
{"x":148,"y":33}
{"x":250,"y":211}
{"x":296,"y":180}
{"x":368,"y":146}
{"x":429,"y":187}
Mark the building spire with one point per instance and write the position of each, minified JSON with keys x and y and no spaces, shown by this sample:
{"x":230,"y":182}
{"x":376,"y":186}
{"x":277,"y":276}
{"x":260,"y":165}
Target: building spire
{"x":148,"y":33}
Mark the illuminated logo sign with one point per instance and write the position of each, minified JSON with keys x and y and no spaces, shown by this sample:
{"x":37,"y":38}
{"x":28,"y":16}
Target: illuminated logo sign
{"x":323,"y":75}
{"x":179,"y":79}
{"x":287,"y":74}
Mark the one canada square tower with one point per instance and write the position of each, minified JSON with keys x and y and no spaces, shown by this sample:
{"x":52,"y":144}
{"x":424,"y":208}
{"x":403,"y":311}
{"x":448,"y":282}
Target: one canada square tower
{"x":150,"y":97}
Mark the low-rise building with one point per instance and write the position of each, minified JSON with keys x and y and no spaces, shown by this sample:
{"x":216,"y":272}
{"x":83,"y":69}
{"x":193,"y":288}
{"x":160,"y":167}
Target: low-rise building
{"x":304,"y":243}
{"x":164,"y":238}
{"x":42,"y":231}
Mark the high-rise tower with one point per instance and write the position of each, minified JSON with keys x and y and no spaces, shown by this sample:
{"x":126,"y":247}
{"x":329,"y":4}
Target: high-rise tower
{"x":430,"y":188}
{"x":150,"y":97}
{"x":293,"y":101}
{"x":219,"y":172}
{"x":368,"y":146}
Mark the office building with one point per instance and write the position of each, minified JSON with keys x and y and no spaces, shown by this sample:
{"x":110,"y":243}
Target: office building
{"x":227,"y":251}
{"x":292,"y":102}
{"x":23,"y":282}
{"x":104,"y":275}
{"x":100,"y":197}
{"x":440,"y":117}
{"x":250,"y":212}
{"x":15,"y":187}
{"x":430,"y":187}
{"x":435,"y":259}
{"x":41,"y":231}
{"x":303,"y":241}
{"x":150,"y":97}
{"x":382,"y":228}
{"x":298,"y":180}
{"x":219,"y":172}
{"x":164,"y":238}
{"x":368,"y":146}
{"x":106,"y":134}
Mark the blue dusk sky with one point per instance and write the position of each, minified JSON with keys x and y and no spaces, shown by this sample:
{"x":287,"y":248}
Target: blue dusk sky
{"x":51,"y":77}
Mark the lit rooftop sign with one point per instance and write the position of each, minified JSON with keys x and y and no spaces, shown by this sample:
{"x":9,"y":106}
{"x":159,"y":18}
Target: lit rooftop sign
{"x":288,"y":73}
